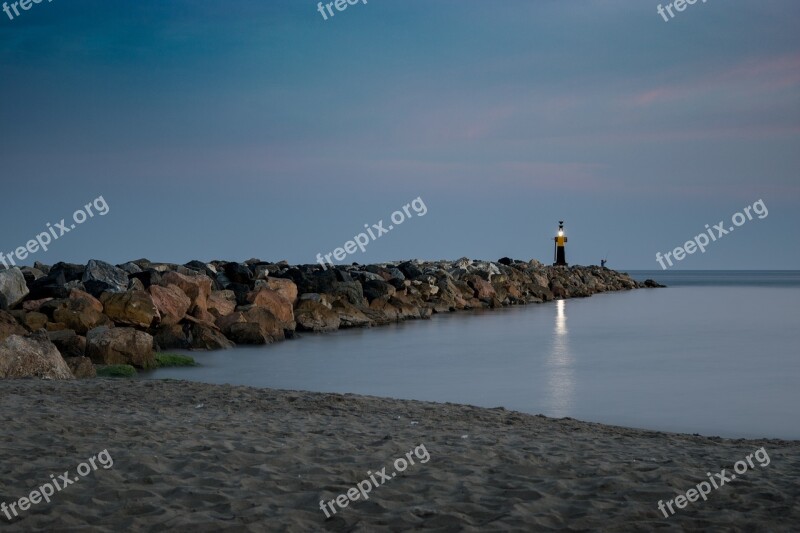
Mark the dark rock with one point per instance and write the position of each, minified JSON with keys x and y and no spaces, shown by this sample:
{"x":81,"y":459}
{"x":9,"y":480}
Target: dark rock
{"x":409,"y":269}
{"x":31,"y":274}
{"x":238,"y":273}
{"x":352,"y":291}
{"x":342,"y":275}
{"x":397,"y":283}
{"x":240,"y":291}
{"x":69,"y":343}
{"x":71,"y":271}
{"x":148,"y":277}
{"x":374,"y":290}
{"x":130,"y":268}
{"x":100,"y":277}
{"x":172,"y":336}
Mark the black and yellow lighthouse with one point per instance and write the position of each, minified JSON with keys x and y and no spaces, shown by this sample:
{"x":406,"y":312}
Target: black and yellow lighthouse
{"x":561,"y":240}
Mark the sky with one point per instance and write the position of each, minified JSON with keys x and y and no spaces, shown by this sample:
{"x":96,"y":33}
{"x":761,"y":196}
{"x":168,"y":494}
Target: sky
{"x":233,"y":130}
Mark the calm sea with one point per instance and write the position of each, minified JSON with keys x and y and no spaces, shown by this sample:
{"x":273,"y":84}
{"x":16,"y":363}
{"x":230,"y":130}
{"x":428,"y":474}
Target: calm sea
{"x":716,"y":353}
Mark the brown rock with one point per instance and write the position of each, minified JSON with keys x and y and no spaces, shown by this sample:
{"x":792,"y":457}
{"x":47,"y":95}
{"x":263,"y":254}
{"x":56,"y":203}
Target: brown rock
{"x":225,"y":322}
{"x":34,"y":321}
{"x":483,"y":289}
{"x":120,"y":346}
{"x":408,"y":308}
{"x":275,"y":303}
{"x":81,"y":367}
{"x":382,"y":312}
{"x":313,"y":316}
{"x":171,"y":302}
{"x":197,"y":288}
{"x":351,"y":316}
{"x":9,"y":326}
{"x":80,"y":312}
{"x":221,"y":303}
{"x":32,"y":356}
{"x":284,"y":287}
{"x":132,"y":308}
{"x":255,"y":325}
{"x":203,"y":337}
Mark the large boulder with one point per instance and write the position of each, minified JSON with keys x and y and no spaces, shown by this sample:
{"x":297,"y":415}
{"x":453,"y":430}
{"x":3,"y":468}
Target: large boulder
{"x":197,"y":288}
{"x":222,"y":303}
{"x":254,"y":325}
{"x":284,"y":287}
{"x":275,"y":303}
{"x":120,"y":346}
{"x":32,"y":356}
{"x":314,"y":316}
{"x":13,"y":288}
{"x":171,"y":302}
{"x":99,"y":277}
{"x":80,"y":312}
{"x":9,"y":326}
{"x":133,"y":308}
{"x":204,"y":337}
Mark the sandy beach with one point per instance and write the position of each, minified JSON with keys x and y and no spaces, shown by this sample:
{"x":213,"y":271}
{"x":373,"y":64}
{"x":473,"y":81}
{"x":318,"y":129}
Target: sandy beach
{"x":196,"y":457}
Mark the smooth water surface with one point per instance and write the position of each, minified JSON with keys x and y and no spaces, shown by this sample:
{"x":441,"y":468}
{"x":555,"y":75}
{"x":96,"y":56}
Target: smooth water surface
{"x":715,"y":358}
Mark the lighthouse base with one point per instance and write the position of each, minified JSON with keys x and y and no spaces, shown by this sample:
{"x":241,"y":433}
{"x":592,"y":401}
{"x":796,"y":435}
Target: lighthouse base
{"x":561,"y":257}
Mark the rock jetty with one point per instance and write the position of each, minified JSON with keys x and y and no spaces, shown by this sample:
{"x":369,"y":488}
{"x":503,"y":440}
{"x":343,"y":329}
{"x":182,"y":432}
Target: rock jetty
{"x":102,"y":314}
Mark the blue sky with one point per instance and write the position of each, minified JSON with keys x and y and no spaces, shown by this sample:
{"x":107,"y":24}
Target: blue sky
{"x":231,"y":130}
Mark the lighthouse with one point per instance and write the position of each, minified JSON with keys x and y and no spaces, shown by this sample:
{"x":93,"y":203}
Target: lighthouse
{"x":560,"y":240}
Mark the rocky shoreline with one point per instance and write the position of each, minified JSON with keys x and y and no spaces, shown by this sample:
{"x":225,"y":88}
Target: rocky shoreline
{"x":57,"y":322}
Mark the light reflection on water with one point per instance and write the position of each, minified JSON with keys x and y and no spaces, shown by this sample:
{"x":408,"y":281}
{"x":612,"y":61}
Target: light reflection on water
{"x":560,"y":381}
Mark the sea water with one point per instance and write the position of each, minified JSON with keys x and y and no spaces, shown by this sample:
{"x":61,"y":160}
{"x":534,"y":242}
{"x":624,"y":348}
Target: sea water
{"x":715,"y":353}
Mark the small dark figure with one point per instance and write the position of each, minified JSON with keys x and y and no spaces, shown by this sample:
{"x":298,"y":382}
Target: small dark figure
{"x":602,"y":263}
